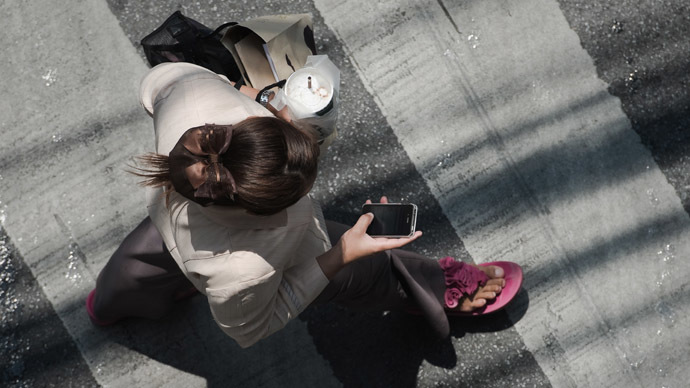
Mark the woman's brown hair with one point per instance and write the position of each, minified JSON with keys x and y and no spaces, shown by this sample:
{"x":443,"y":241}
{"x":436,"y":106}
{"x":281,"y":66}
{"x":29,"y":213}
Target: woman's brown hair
{"x":272,"y":163}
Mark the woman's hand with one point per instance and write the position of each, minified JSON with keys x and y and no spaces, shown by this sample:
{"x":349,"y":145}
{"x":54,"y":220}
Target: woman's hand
{"x":356,"y":244}
{"x":383,"y":199}
{"x":283,"y":113}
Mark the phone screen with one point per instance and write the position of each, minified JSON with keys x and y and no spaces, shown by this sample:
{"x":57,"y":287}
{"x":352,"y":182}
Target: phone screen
{"x":391,"y":219}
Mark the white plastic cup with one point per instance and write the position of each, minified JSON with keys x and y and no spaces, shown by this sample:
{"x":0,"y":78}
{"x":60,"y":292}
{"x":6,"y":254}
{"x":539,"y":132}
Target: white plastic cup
{"x":309,"y":93}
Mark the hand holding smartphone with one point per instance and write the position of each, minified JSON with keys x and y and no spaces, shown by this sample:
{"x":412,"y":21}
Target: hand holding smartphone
{"x":391,"y":219}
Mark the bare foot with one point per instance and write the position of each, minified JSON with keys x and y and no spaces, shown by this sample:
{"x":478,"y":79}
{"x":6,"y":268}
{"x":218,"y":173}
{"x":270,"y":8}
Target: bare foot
{"x":486,"y":292}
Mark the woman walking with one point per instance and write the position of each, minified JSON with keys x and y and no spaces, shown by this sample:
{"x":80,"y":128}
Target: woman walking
{"x":230,"y":217}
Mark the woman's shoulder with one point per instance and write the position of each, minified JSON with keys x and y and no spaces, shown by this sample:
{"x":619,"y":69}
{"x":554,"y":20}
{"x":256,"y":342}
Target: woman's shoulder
{"x":163,"y":75}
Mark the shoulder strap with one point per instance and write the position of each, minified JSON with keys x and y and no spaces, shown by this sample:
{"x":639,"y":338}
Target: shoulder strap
{"x":220,"y":28}
{"x":279,"y":84}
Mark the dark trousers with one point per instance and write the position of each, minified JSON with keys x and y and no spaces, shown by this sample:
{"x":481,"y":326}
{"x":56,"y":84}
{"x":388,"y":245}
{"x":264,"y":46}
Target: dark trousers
{"x":141,"y":279}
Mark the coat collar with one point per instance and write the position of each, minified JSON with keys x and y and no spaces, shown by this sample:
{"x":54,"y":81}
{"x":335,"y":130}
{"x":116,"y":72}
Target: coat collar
{"x":235,"y":217}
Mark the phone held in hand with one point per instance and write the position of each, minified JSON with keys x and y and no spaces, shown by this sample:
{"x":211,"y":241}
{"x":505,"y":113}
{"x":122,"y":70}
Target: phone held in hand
{"x":391,"y":219}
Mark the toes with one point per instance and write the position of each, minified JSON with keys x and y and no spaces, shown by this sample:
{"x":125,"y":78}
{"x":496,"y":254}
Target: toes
{"x":492,"y":288}
{"x":489,"y":291}
{"x":473,"y":304}
{"x":478,"y":302}
{"x":485,"y":295}
{"x":468,"y":304}
{"x":493,"y":271}
{"x":496,"y":272}
{"x":496,"y":282}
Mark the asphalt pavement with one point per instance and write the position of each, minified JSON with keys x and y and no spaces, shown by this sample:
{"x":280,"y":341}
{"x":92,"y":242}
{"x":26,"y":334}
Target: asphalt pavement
{"x":553,"y":134}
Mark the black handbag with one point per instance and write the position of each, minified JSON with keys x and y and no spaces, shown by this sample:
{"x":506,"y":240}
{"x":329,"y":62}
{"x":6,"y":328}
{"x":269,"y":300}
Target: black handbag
{"x":182,"y":39}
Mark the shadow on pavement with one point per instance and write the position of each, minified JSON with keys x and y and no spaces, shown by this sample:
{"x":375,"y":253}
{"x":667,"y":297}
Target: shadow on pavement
{"x":376,"y":349}
{"x":387,"y":349}
{"x":362,"y":349}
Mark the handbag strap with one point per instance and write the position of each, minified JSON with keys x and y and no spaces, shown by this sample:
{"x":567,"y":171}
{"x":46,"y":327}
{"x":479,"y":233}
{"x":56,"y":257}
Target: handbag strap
{"x":239,"y":83}
{"x":278,"y":84}
{"x":220,"y":28}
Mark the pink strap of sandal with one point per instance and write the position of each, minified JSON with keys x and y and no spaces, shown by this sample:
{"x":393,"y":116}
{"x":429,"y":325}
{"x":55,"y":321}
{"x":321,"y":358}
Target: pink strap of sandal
{"x":461,"y":280}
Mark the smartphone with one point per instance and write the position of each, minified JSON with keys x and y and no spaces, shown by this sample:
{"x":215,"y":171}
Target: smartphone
{"x":391,"y":219}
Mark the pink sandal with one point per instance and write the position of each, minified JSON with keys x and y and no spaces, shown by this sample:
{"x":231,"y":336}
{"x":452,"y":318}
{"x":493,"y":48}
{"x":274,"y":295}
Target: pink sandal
{"x":92,"y":316}
{"x":188,"y":293}
{"x":464,"y":280}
